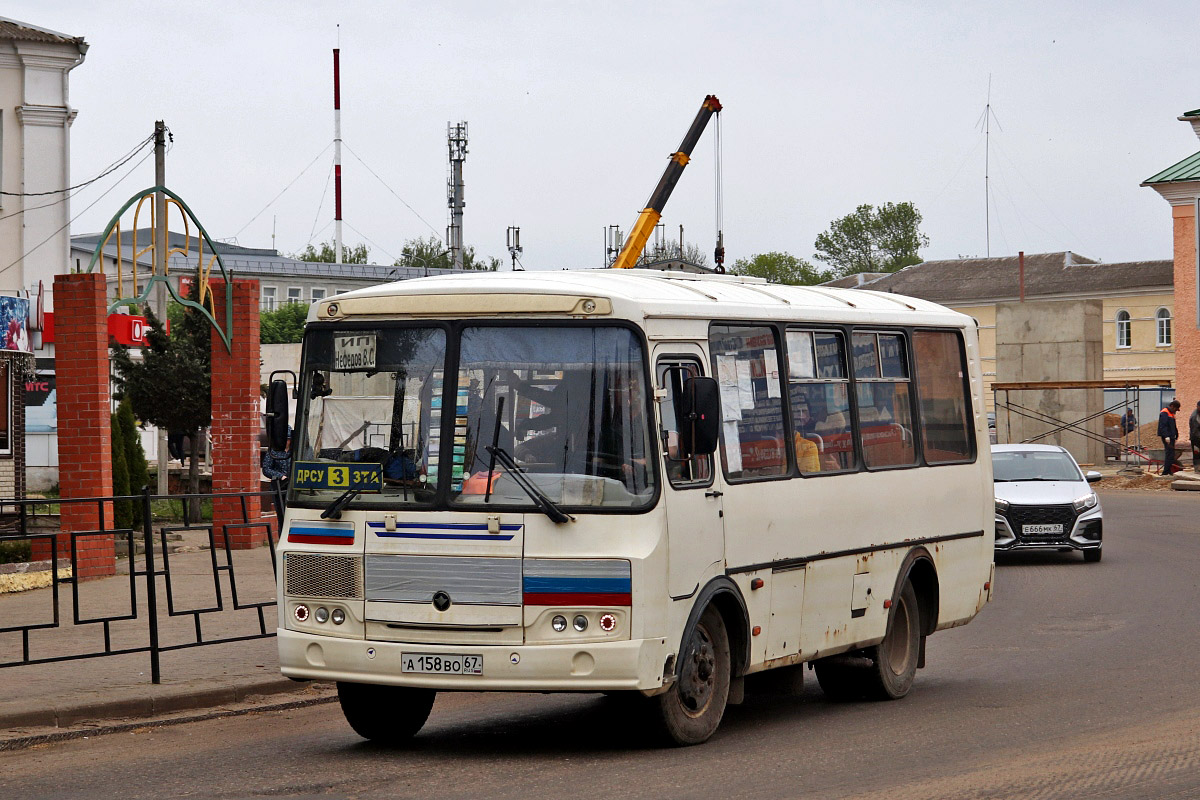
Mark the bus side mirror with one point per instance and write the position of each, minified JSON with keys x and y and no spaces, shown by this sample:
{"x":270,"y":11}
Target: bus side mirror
{"x":277,"y":415}
{"x":699,"y":417}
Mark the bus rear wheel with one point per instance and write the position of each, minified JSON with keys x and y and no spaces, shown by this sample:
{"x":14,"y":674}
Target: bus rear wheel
{"x":884,"y":671}
{"x":385,"y":714}
{"x":895,"y":658}
{"x":691,"y":710}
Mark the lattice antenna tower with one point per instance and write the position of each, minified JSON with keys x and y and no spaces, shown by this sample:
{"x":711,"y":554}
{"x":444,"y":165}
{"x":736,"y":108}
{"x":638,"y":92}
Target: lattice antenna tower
{"x":456,"y":142}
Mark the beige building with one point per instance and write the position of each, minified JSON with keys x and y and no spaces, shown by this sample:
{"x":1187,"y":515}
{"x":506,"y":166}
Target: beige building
{"x":1138,"y":302}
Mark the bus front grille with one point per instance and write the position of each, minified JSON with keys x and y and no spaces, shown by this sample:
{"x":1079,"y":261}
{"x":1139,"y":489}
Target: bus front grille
{"x":320,"y":575}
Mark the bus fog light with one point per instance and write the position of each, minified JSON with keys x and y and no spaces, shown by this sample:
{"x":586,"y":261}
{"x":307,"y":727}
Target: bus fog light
{"x":608,"y":623}
{"x":301,"y":613}
{"x":580,"y":623}
{"x":559,"y":623}
{"x":338,"y":616}
{"x":321,"y":615}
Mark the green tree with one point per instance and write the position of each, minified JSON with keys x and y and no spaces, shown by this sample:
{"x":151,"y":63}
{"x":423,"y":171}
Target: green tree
{"x":135,"y":455}
{"x":170,"y":386}
{"x":780,"y":267}
{"x":430,"y":253}
{"x":122,"y":509}
{"x":327,"y":253}
{"x":284,"y":325}
{"x":883,"y":239}
{"x":666,"y":251}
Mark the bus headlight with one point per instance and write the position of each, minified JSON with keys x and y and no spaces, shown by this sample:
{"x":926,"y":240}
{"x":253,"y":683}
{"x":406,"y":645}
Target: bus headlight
{"x":580,"y":623}
{"x":559,"y":623}
{"x":301,"y":613}
{"x":338,"y":616}
{"x":321,"y":615}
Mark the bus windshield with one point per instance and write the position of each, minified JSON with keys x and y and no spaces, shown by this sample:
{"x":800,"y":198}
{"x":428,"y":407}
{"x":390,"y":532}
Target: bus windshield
{"x":568,"y":405}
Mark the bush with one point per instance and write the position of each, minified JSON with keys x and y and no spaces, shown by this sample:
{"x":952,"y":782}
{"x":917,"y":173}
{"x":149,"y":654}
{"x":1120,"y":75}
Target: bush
{"x":135,"y":456}
{"x":122,"y":509}
{"x":15,"y":551}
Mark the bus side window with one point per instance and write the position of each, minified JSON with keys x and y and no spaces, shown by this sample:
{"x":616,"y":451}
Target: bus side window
{"x":884,"y":402}
{"x":695,"y":471}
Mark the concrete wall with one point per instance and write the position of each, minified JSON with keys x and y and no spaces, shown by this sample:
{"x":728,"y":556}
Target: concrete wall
{"x":1052,"y":341}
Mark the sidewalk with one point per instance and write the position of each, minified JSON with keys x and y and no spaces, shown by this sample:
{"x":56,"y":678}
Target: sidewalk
{"x":109,"y":687}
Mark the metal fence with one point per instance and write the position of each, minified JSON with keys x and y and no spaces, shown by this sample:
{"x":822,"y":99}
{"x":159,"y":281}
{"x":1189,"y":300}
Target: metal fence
{"x":25,"y":520}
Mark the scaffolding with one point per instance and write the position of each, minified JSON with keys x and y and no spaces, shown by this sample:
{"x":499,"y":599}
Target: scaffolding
{"x":1132,"y":400}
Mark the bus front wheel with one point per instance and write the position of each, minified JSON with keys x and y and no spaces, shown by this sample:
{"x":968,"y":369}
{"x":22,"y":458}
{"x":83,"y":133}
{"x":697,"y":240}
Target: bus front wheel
{"x":691,"y":710}
{"x":385,"y":714}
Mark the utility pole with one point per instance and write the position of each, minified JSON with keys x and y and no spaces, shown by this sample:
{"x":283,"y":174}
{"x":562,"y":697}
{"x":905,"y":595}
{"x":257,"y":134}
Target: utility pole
{"x":337,"y":154}
{"x":160,"y":270}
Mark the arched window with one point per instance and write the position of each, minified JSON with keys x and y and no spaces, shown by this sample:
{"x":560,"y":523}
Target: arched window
{"x":1122,"y":329}
{"x":1162,"y":321}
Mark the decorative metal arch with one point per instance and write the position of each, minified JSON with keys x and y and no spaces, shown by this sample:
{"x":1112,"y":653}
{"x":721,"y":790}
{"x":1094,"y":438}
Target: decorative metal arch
{"x":203,"y":269}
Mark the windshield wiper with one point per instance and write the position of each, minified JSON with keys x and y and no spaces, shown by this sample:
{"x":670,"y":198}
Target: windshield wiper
{"x":547,"y":506}
{"x":335,"y":508}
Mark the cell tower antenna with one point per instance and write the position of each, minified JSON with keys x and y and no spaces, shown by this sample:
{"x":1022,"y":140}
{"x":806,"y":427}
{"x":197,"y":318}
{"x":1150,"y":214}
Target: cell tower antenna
{"x":456,"y":142}
{"x":514,"y":247}
{"x":986,"y":120}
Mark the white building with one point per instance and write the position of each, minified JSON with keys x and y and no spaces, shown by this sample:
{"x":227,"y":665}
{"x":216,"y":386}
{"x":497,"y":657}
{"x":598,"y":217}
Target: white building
{"x":35,"y":244}
{"x":35,"y":152}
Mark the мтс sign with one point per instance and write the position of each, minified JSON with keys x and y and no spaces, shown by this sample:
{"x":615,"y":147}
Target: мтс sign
{"x":354,"y":352}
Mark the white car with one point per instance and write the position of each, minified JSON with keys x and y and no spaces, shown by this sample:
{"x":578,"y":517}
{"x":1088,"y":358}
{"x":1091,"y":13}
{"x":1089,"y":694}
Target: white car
{"x":1044,"y":502}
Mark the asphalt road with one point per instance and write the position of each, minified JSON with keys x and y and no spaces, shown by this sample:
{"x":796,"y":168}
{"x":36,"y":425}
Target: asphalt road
{"x":1076,"y":681}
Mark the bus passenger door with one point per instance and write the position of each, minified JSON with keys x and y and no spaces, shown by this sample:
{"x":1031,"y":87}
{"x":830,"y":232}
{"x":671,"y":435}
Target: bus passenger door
{"x":692,"y":495}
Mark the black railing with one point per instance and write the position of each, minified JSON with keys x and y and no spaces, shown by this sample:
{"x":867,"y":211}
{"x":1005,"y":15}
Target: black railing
{"x":19,"y":521}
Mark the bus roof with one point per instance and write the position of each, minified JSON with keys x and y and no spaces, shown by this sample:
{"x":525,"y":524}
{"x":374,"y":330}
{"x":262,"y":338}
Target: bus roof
{"x":632,"y":294}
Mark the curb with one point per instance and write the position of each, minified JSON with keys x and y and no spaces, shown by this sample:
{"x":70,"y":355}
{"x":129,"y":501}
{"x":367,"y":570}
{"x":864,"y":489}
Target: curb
{"x":24,"y":742}
{"x":146,"y":706}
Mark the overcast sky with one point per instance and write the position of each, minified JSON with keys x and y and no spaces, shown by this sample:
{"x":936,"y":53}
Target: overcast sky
{"x":573,"y":108}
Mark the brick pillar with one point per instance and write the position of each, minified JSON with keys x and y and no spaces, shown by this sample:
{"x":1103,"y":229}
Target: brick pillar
{"x":236,"y":465}
{"x":84,"y":435}
{"x":1185,"y":333}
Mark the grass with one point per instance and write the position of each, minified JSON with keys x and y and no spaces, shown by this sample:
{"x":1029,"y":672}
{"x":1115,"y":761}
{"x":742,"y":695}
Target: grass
{"x":13,"y":552}
{"x":172,"y":510}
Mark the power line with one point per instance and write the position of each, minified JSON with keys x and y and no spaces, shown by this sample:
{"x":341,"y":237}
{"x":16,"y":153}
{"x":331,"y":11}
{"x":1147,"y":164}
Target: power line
{"x":393,"y":191}
{"x":281,"y":193}
{"x":321,"y":204}
{"x":111,"y":169}
{"x":363,"y":235}
{"x":31,"y":250}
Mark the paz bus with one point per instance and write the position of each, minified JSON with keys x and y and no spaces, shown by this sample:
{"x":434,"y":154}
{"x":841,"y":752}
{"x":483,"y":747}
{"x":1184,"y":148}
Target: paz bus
{"x":651,"y":483}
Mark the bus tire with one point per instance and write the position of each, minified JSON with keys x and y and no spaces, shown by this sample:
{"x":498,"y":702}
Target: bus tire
{"x":385,"y":714}
{"x":691,"y":710}
{"x":894,"y":660}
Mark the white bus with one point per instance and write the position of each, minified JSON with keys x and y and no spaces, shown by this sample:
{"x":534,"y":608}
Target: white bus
{"x":628,"y":481}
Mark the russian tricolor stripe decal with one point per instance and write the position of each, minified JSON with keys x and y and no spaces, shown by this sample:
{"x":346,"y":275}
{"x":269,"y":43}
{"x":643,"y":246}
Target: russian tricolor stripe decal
{"x":456,"y":531}
{"x":561,"y":581}
{"x":320,"y":532}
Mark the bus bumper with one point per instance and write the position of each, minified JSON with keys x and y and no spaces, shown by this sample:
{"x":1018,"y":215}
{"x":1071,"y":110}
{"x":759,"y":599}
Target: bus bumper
{"x":603,"y":666}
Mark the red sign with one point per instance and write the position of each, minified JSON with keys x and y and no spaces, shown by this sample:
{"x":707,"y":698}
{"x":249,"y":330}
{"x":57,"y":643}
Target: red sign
{"x":128,"y":329}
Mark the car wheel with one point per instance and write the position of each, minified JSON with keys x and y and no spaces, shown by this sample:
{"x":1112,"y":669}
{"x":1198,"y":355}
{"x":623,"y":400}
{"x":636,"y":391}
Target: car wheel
{"x":385,"y":714}
{"x":1092,"y":556}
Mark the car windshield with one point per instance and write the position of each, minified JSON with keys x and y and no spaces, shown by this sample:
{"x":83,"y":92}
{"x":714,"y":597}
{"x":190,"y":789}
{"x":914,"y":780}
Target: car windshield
{"x":568,"y":404}
{"x":1034,"y":465}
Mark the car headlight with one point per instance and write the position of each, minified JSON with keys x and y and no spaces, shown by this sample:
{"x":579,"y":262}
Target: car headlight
{"x":1002,"y":506}
{"x":1087,"y":501}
